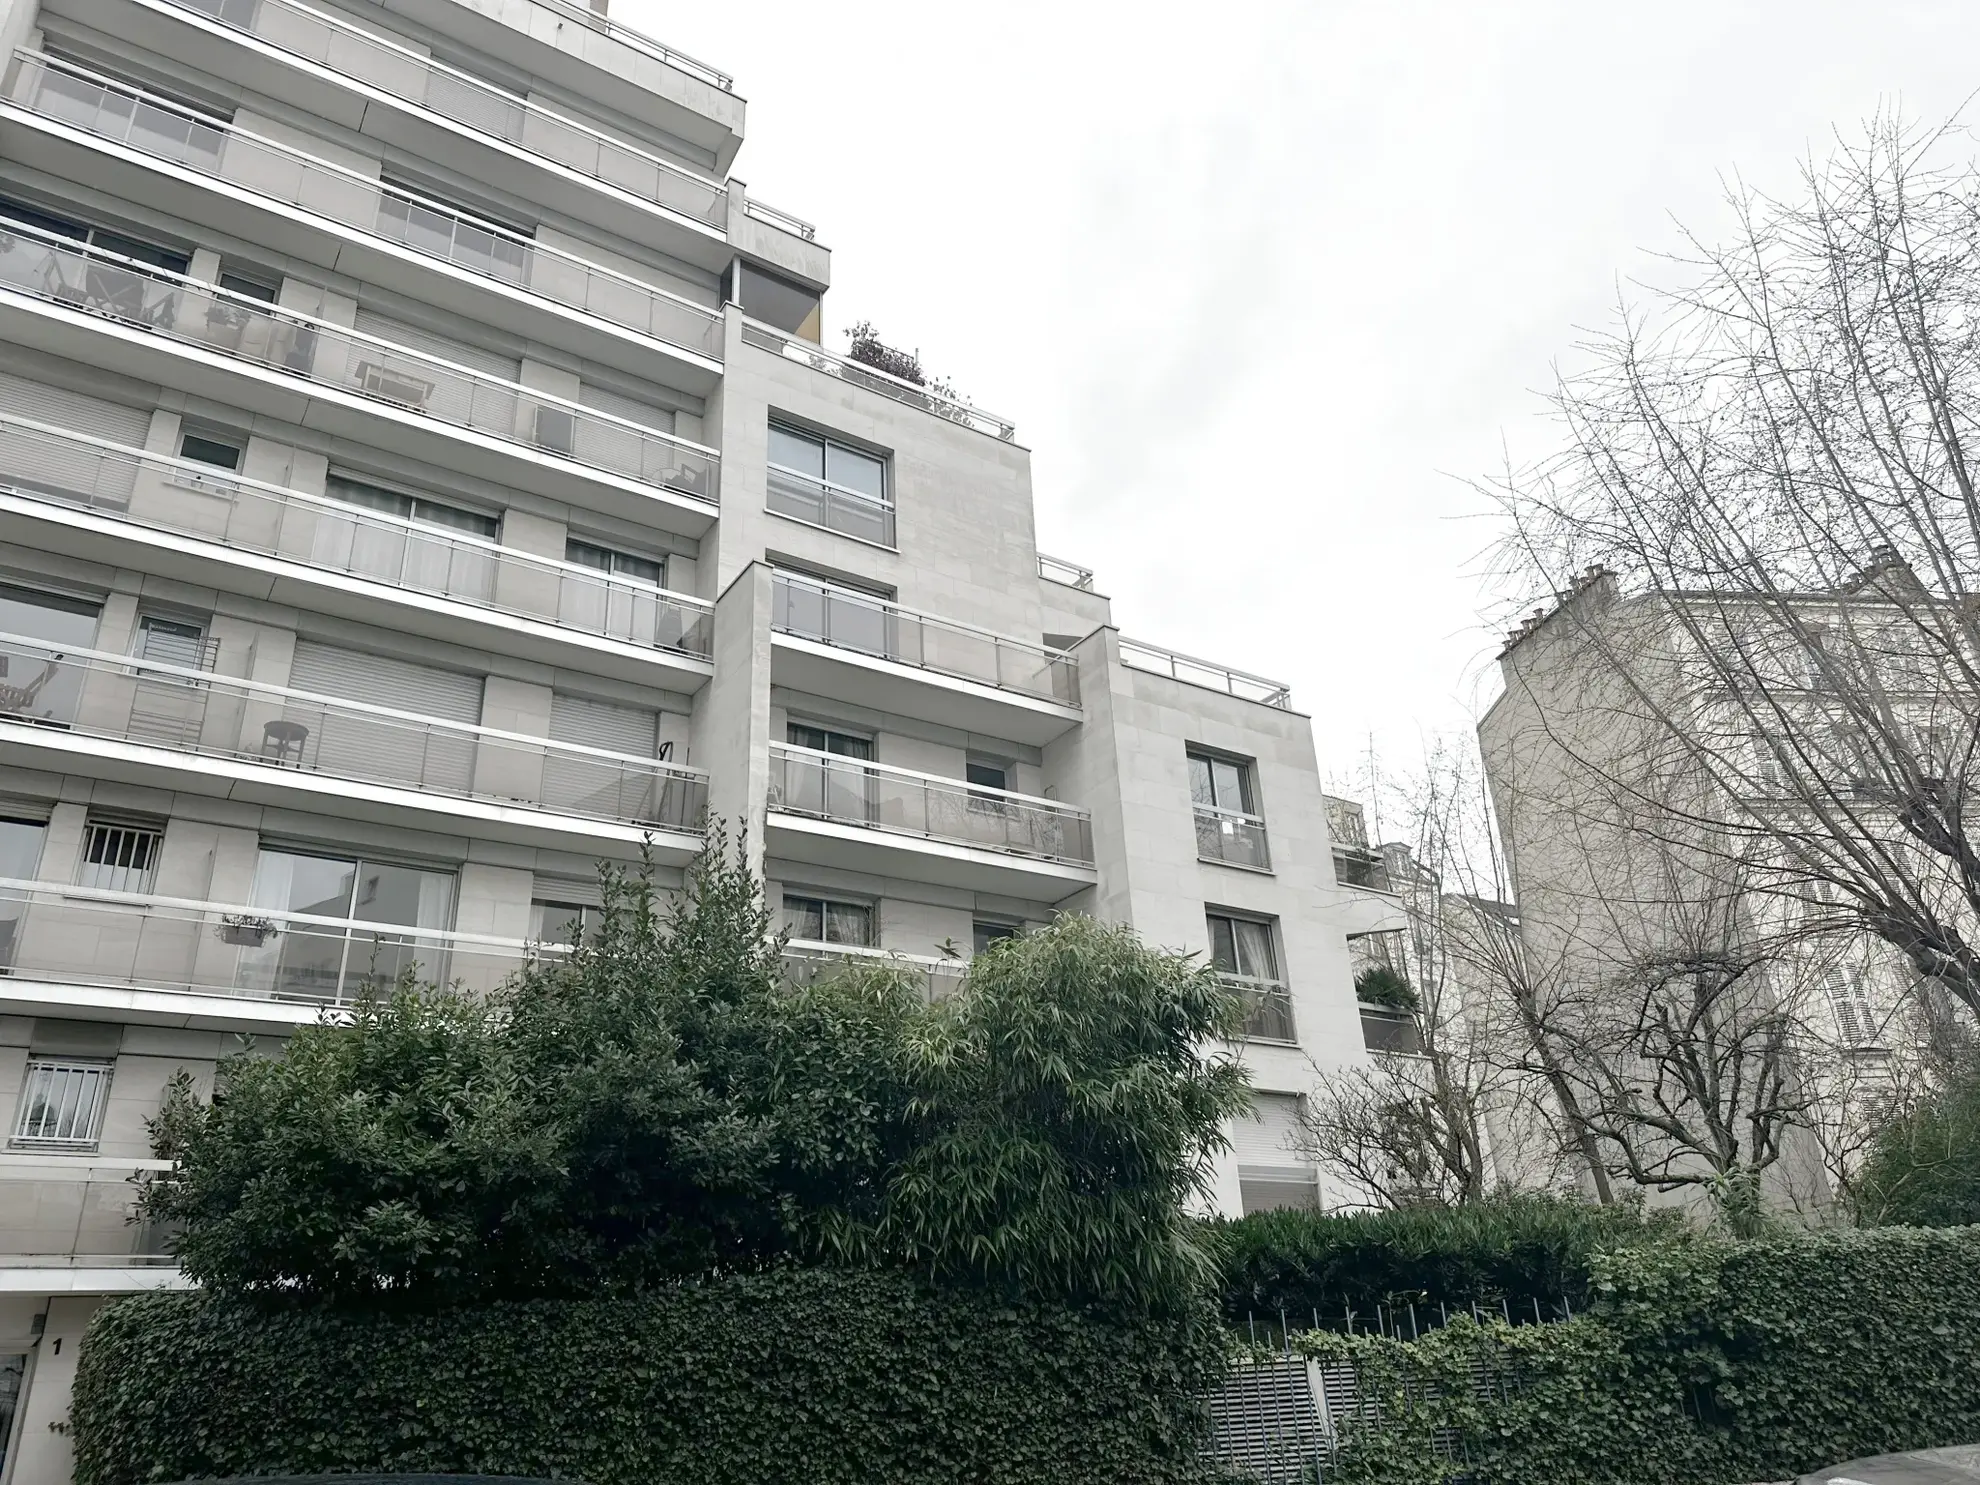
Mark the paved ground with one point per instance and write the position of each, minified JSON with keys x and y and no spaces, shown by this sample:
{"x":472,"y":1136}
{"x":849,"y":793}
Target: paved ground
{"x":1925,"y":1467}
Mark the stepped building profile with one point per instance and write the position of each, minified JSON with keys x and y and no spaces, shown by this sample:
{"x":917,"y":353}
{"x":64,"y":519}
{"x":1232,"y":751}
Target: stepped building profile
{"x":423,"y":476}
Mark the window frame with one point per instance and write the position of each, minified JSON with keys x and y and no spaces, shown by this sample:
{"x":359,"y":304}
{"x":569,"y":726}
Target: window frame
{"x":825,"y":901}
{"x":120,"y":837}
{"x":100,"y":1071}
{"x":886,"y":504}
{"x":614,"y":556}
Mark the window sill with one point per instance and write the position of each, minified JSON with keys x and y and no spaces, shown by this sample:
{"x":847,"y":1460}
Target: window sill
{"x":878,"y":546}
{"x":19,"y":1146}
{"x":1259,"y":871}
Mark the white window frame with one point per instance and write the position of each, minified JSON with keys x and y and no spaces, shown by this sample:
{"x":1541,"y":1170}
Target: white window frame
{"x":89,"y":1077}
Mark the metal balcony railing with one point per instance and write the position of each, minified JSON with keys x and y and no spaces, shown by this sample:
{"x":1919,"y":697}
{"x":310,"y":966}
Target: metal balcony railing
{"x":1361,"y":868}
{"x":1231,"y":838}
{"x":950,"y":409}
{"x":142,"y":941}
{"x":867,"y":625}
{"x":1208,"y":673}
{"x":835,"y":507}
{"x":1071,"y":574}
{"x":90,"y":693}
{"x":764,"y":212}
{"x":899,"y":801}
{"x":1384,"y":1030}
{"x":45,"y":463}
{"x":185,"y":311}
{"x":639,"y":41}
{"x":806,"y":961}
{"x":1268,"y":1012}
{"x":69,"y":94}
{"x":415,"y":79}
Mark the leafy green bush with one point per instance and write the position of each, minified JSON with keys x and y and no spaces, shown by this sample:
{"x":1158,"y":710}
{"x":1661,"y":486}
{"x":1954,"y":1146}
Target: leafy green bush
{"x":1380,"y":985}
{"x":1923,"y":1169}
{"x":781,"y":1378}
{"x":662,"y":1104}
{"x":1519,"y":1247}
{"x":1700,"y":1363}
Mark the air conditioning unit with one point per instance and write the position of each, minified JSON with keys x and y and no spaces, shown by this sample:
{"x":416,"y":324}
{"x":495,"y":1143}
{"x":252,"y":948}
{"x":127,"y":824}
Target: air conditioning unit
{"x":393,"y":385}
{"x":556,"y":430}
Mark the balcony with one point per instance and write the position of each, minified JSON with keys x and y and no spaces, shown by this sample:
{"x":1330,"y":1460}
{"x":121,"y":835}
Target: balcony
{"x":1066,"y":574}
{"x":393,"y":92}
{"x":266,"y":191}
{"x":806,"y":961}
{"x":144,"y":951}
{"x":1268,"y":1011}
{"x":1205,"y":673}
{"x":1358,"y":866}
{"x":245,"y":533}
{"x":1231,"y":838}
{"x":858,"y":374}
{"x":839,"y":642}
{"x":338,"y":380}
{"x":837,"y":811}
{"x":1390,"y":1031}
{"x":195,"y":730}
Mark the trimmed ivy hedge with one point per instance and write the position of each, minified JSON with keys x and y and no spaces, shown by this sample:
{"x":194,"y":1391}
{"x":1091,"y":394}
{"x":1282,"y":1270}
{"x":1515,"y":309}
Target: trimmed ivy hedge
{"x":784,"y":1378}
{"x":1519,"y":1248}
{"x":1700,"y":1364}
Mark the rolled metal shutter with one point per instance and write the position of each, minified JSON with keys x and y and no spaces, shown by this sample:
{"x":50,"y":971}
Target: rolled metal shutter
{"x":384,"y":749}
{"x":54,"y":467}
{"x":618,"y":405}
{"x":398,"y":332}
{"x":79,"y":412}
{"x":600,"y":786}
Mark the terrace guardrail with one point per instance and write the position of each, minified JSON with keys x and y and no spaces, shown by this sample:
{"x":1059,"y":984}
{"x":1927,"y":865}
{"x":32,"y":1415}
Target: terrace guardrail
{"x":1232,"y":838}
{"x":54,"y":465}
{"x":806,"y":961}
{"x":91,"y":693}
{"x":143,"y":941}
{"x":1070,"y":574}
{"x":847,"y":619}
{"x":764,"y":212}
{"x":639,"y":41}
{"x":900,"y":801}
{"x":413,"y":78}
{"x":187,"y":312}
{"x":67,"y":93}
{"x":1361,"y":867}
{"x":1268,"y":1012}
{"x":1207,"y":673}
{"x":950,"y":409}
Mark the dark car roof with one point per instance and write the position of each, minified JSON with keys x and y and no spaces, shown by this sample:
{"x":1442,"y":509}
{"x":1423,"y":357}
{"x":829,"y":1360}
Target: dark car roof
{"x":1959,"y":1466}
{"x":375,"y":1479}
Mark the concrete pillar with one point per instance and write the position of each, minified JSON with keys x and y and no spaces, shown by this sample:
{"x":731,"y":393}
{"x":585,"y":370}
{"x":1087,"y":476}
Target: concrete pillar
{"x":731,"y":730}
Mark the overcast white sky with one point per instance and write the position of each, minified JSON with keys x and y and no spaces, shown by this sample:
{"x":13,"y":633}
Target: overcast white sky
{"x":1261,"y":283}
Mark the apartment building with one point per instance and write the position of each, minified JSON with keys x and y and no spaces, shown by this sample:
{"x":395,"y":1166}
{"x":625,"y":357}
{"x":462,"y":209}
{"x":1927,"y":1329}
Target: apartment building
{"x":423,"y":477}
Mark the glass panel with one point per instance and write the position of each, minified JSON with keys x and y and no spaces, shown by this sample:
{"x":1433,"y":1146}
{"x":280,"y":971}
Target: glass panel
{"x":1227,"y":779}
{"x":371,"y":497}
{"x":210,"y":451}
{"x":1223,"y":947}
{"x":1254,"y":950}
{"x":142,"y":252}
{"x":800,"y":736}
{"x":304,"y":884}
{"x":983,"y":935}
{"x":989,"y":775}
{"x":452,"y":518}
{"x":848,"y":923}
{"x":856,"y":471}
{"x":797,"y":452}
{"x":403,"y":894}
{"x":33,"y":681}
{"x":804,"y":918}
{"x":171,"y":642}
{"x":1201,"y":790}
{"x":20,"y":859}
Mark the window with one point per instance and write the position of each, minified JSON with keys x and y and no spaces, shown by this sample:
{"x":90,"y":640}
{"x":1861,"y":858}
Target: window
{"x":823,"y":787}
{"x":829,"y":484}
{"x":1228,"y":828}
{"x":120,"y":858}
{"x":248,"y":287}
{"x":20,"y":859}
{"x":778,"y":302}
{"x":823,"y":920}
{"x":222,"y":451}
{"x":620,"y":564}
{"x":826,"y":740}
{"x":1241,"y":950}
{"x":564,"y":923}
{"x":1848,"y":987}
{"x":429,"y":225}
{"x":169,"y":259}
{"x":983,"y":934}
{"x":415,"y":508}
{"x":1273,"y":1171}
{"x":38,"y":682}
{"x":62,"y":1103}
{"x":330,"y":961}
{"x":174,"y":642}
{"x":987,"y":775}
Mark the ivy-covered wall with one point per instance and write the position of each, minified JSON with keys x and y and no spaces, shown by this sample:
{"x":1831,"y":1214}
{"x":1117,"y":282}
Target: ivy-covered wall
{"x":1702,"y":1363}
{"x":785,"y":1378}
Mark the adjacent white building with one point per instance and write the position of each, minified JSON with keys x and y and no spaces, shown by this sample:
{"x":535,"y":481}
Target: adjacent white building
{"x":422,"y":477}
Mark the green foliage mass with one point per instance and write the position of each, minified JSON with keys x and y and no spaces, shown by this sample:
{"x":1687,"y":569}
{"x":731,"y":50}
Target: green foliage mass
{"x":662,"y":1104}
{"x":781,"y":1378}
{"x":1923,"y":1169}
{"x":1701,"y":1363}
{"x":1517,"y":1247}
{"x":1380,"y":985}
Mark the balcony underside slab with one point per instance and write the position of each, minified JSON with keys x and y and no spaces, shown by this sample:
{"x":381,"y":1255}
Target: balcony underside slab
{"x":915,"y":858}
{"x":909,"y":691}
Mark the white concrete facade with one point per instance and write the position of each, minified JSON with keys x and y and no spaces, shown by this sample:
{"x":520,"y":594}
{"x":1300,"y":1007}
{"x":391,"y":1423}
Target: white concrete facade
{"x":405,"y":506}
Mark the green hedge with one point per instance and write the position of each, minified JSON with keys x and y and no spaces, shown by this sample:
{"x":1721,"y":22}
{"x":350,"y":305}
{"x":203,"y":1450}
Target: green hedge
{"x":1701,"y":1364}
{"x":793,"y":1376}
{"x":1520,"y":1248}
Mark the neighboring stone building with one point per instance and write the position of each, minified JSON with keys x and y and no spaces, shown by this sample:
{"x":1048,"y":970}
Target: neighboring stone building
{"x":422,"y":478}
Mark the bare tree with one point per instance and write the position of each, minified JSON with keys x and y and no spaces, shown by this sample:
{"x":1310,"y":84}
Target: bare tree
{"x":1757,"y":556}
